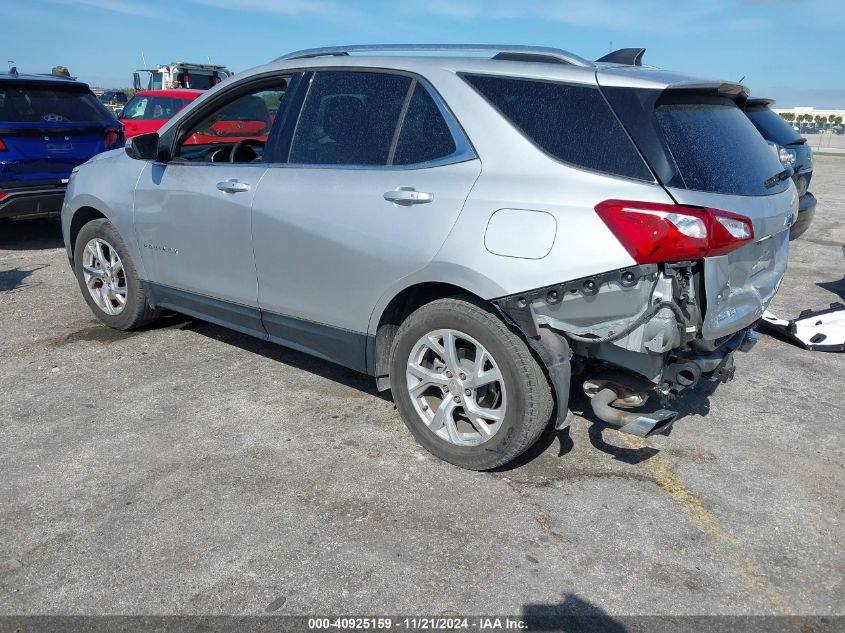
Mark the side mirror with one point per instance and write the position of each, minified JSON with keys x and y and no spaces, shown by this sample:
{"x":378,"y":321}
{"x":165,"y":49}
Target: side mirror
{"x":136,"y":81}
{"x":143,"y":147}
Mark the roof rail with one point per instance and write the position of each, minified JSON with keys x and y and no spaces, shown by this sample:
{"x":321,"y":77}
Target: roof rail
{"x":508,"y":52}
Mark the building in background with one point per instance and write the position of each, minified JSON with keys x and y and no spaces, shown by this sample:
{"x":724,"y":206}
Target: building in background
{"x":809,"y":119}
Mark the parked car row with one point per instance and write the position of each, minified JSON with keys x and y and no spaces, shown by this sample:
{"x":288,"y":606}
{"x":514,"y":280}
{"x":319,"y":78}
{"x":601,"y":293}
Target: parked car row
{"x":630,"y":225}
{"x":48,"y":125}
{"x":793,"y":152}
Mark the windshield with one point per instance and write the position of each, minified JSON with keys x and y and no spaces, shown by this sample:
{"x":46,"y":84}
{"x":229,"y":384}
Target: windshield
{"x":113,"y":97}
{"x":716,"y":148}
{"x":49,"y":104}
{"x":772,"y":127}
{"x":197,"y":80}
{"x":148,"y":107}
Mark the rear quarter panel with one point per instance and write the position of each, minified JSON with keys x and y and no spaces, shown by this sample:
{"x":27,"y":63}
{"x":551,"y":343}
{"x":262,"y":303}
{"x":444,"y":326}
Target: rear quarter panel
{"x":517,"y":175}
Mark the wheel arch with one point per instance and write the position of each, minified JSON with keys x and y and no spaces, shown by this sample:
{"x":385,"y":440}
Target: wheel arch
{"x":392,"y":316}
{"x":82,"y":216}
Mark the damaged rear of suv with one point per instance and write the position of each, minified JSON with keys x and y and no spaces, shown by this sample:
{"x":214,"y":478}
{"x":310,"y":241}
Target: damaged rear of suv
{"x":707,"y":242}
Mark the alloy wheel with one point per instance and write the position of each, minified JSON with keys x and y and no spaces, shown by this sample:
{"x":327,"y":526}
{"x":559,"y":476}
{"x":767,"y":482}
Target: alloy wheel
{"x":104,"y":276}
{"x":456,"y":387}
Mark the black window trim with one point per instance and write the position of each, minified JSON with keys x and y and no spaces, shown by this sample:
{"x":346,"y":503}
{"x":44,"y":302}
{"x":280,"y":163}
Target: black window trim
{"x":464,"y":150}
{"x":464,"y":74}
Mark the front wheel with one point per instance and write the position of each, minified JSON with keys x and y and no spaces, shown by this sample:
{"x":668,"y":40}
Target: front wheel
{"x":467,"y":386}
{"x":108,"y":278}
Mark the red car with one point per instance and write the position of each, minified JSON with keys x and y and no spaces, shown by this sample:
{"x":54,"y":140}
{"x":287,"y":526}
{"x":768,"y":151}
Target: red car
{"x":148,"y":110}
{"x":246,"y":118}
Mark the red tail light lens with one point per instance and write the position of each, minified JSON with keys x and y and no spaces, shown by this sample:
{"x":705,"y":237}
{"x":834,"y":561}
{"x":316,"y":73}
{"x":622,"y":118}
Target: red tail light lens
{"x":111,"y":137}
{"x":652,"y":232}
{"x":3,"y":147}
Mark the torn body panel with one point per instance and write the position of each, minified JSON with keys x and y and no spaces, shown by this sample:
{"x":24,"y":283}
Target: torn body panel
{"x":646,"y":320}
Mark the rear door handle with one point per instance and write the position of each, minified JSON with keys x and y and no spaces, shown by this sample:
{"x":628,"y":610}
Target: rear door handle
{"x":407,"y":196}
{"x":232,"y":186}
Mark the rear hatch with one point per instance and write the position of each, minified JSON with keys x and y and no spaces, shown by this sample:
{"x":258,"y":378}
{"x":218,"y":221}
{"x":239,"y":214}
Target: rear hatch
{"x":706,"y":153}
{"x":50,"y":128}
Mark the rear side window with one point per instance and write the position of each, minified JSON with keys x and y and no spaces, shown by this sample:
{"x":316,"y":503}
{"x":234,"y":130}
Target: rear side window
{"x":425,"y":136}
{"x":716,"y":148}
{"x":772,"y":127}
{"x":572,"y":123}
{"x":349,"y":118}
{"x":49,"y":104}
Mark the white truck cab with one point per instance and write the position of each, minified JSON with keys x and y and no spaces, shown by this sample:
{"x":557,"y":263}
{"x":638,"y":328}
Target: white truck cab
{"x":181,"y":75}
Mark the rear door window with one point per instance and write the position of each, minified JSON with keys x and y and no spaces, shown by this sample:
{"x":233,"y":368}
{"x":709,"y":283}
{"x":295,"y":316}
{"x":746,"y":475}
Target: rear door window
{"x":50,"y":104}
{"x":349,"y":118}
{"x":572,"y":123}
{"x":716,"y":148}
{"x":425,"y":135}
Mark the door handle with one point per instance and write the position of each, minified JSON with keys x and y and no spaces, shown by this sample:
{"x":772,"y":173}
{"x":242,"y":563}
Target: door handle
{"x":406,"y":196}
{"x":232,"y":186}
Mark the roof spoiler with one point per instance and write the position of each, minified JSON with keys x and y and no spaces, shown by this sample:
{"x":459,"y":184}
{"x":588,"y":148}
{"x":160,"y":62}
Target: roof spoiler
{"x":626,"y":56}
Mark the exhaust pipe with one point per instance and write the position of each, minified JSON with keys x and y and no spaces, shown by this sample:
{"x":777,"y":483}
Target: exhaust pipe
{"x":640,"y":424}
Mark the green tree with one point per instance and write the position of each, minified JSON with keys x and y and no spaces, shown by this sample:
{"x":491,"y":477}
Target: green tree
{"x":788,"y":116}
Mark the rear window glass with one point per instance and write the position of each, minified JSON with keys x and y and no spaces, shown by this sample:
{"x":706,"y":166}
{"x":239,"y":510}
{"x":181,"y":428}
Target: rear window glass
{"x":717,"y":149}
{"x":425,"y":136}
{"x":49,"y":104}
{"x":152,"y":108}
{"x":773,"y":127}
{"x":572,"y":123}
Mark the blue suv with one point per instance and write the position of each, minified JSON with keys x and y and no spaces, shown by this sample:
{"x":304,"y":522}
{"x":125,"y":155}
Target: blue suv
{"x":48,"y":125}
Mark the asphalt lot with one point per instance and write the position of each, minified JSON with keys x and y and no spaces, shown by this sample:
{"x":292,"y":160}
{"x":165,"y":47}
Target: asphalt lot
{"x":189,"y":469}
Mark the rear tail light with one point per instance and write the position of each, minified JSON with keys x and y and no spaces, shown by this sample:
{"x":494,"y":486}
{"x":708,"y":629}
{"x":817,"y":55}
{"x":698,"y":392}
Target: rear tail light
{"x":3,"y":195}
{"x":112,"y":136}
{"x":3,"y":147}
{"x":652,"y":232}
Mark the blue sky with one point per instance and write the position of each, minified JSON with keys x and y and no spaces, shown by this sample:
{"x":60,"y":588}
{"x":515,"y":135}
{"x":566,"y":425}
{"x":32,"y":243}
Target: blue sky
{"x":789,"y":50}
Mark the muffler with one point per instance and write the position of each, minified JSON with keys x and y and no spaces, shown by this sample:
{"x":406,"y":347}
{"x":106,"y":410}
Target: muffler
{"x":640,"y":424}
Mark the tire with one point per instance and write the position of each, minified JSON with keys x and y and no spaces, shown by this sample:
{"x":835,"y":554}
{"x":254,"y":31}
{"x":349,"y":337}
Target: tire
{"x":136,"y":311}
{"x":521,"y":398}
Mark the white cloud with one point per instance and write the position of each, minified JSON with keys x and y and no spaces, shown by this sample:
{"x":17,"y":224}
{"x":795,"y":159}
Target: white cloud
{"x":324,"y":9}
{"x":138,"y":9}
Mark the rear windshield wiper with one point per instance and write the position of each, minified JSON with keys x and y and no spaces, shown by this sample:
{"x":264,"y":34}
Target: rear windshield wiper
{"x":786,"y":173}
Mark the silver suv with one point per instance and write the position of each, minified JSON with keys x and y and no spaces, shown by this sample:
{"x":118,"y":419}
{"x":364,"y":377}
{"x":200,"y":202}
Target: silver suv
{"x":469,"y":230}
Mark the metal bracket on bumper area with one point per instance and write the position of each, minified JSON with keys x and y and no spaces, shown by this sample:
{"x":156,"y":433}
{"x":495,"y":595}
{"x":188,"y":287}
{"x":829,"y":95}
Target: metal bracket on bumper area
{"x":553,"y":350}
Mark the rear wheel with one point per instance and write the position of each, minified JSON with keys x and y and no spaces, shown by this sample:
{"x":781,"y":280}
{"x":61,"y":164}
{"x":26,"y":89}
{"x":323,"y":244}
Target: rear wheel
{"x":108,"y":278}
{"x":467,"y":386}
